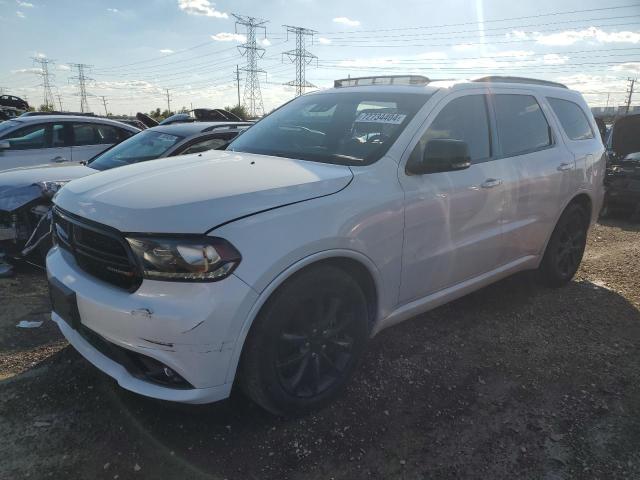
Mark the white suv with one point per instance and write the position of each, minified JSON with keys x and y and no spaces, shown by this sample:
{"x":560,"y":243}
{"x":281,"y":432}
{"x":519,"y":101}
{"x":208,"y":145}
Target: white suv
{"x":340,"y":214}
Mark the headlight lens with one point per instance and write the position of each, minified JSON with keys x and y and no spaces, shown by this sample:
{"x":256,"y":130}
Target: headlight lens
{"x":198,"y":259}
{"x":50,"y":188}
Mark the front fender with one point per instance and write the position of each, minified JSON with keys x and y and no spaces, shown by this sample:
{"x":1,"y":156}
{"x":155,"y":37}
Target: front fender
{"x":280,"y":279}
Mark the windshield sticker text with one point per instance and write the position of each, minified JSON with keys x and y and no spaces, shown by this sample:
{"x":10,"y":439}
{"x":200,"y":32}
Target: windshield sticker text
{"x":392,"y":118}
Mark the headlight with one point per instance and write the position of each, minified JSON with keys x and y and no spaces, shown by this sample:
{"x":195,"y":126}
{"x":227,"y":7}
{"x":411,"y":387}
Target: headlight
{"x":198,"y":258}
{"x":50,"y":188}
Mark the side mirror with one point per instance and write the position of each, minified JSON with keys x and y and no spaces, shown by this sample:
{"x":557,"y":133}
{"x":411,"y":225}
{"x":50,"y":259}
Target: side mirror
{"x":4,"y":145}
{"x":440,"y":155}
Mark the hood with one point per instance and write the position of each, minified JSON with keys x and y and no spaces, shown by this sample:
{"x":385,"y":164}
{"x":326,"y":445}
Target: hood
{"x":195,"y":193}
{"x":625,"y":135}
{"x":18,"y":186}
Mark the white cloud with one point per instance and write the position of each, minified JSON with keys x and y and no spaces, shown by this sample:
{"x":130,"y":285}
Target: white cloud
{"x":569,"y":37}
{"x":514,"y":53}
{"x":432,"y":56}
{"x":113,"y":10}
{"x":27,"y":70}
{"x":40,"y":55}
{"x":264,"y":42}
{"x":20,"y":14}
{"x":24,"y":4}
{"x":201,"y":7}
{"x":166,"y":50}
{"x":62,"y":66}
{"x":347,"y":21}
{"x":517,"y":35}
{"x":464,"y":47}
{"x":554,"y":59}
{"x":628,"y":67}
{"x":228,"y":37}
{"x":323,"y":41}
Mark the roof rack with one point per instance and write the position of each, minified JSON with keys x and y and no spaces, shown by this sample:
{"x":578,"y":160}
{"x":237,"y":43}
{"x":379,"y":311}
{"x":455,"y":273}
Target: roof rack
{"x":530,"y":81}
{"x":381,"y":80}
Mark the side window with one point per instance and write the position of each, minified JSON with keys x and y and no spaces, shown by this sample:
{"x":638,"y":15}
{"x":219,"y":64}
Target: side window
{"x":572,"y":118}
{"x":522,"y":127}
{"x":464,"y":118}
{"x":207,"y":144}
{"x":84,"y":134}
{"x":28,"y":138}
{"x":106,"y":134}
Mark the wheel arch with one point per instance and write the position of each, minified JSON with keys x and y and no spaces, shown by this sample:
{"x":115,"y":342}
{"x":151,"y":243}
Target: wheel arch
{"x":361,"y":267}
{"x":582,"y":198}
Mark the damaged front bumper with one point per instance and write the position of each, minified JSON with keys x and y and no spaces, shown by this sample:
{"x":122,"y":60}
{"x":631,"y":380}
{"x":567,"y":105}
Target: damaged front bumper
{"x":25,"y":220}
{"x":190,"y":328}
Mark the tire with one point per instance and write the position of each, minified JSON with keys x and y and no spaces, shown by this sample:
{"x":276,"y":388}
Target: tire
{"x":566,"y":247}
{"x":306,"y":342}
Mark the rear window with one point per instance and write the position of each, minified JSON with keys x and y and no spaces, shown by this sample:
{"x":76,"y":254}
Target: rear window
{"x":522,"y":127}
{"x":572,"y":118}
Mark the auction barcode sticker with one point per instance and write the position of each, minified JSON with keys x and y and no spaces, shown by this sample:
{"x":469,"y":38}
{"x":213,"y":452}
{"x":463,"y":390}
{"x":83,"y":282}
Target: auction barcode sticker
{"x":393,"y":118}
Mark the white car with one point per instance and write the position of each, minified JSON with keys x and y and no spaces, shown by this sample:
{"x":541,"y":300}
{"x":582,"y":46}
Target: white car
{"x":26,"y":141}
{"x":342,"y":213}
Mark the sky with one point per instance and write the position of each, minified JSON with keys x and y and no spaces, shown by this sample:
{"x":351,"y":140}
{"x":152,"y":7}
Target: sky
{"x":136,"y":50}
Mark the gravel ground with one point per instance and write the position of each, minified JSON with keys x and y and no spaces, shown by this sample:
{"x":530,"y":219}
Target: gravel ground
{"x":513,"y":381}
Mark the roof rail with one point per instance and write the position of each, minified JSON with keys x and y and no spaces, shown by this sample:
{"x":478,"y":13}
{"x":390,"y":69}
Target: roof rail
{"x":530,"y":81}
{"x":381,"y":80}
{"x":76,"y":114}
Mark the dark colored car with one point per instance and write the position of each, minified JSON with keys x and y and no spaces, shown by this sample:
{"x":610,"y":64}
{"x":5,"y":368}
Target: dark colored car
{"x":13,"y":101}
{"x":25,"y":194}
{"x":623,"y":169}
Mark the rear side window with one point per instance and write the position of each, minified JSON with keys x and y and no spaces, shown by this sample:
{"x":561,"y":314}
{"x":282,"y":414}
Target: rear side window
{"x":522,"y":127}
{"x":95,"y":134}
{"x":572,"y":118}
{"x":464,"y":118}
{"x":83,"y":134}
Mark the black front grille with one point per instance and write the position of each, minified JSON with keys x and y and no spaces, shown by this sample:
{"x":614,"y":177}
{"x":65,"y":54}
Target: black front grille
{"x":98,"y":250}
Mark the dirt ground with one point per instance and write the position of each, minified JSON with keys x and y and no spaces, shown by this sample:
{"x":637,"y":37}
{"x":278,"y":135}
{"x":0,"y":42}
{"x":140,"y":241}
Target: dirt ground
{"x":514,"y":381}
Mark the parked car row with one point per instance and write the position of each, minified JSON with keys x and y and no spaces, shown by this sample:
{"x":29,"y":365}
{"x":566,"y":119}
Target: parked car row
{"x":25,"y":194}
{"x":269,"y":263}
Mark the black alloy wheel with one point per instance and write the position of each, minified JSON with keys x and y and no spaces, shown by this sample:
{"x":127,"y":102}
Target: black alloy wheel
{"x":305,"y":344}
{"x":566,"y":247}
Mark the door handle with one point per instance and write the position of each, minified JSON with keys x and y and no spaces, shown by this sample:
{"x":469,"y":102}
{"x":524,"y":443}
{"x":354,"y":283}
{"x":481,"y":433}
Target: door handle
{"x":58,"y":159}
{"x":564,"y":167}
{"x":491,"y":183}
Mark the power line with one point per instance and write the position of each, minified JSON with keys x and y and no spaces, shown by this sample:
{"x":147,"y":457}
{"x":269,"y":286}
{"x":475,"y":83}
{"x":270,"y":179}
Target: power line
{"x":300,"y":56}
{"x":47,"y":94}
{"x":566,"y":12}
{"x":250,"y":49}
{"x":60,"y":101}
{"x":82,"y":84}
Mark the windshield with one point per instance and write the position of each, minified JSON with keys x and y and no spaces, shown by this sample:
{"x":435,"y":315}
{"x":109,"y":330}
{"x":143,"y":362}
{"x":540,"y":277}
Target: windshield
{"x":146,"y":145}
{"x":349,"y":128}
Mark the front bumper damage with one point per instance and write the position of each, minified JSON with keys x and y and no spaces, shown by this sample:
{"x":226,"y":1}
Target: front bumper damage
{"x":25,"y":223}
